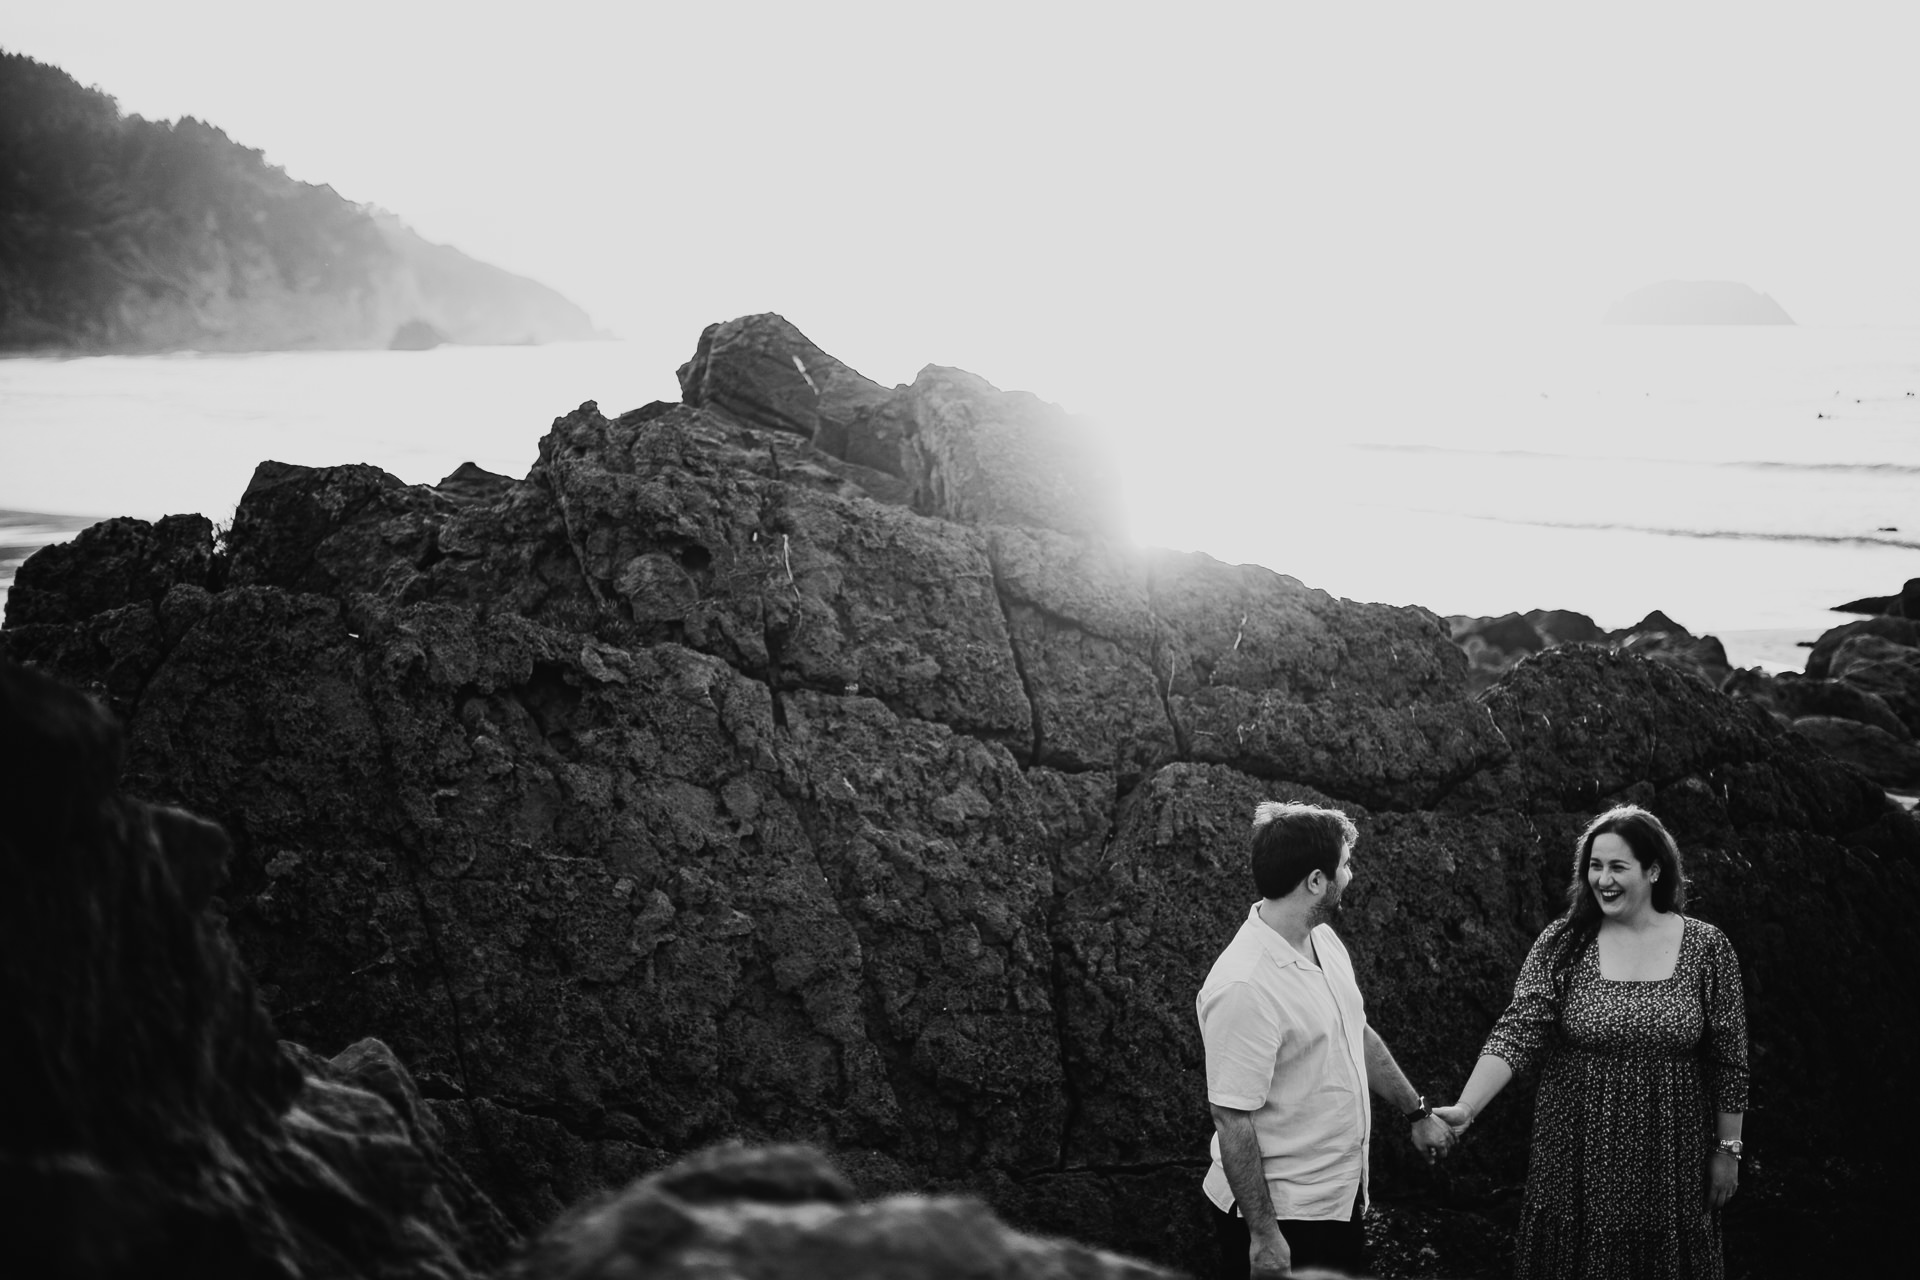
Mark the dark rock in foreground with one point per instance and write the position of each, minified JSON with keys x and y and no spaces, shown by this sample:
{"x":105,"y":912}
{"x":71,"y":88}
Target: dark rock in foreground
{"x":785,"y":1213}
{"x":150,"y":1123}
{"x":712,"y":783}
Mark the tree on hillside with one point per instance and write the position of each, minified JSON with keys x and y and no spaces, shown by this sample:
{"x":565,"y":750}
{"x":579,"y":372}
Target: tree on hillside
{"x":99,"y":211}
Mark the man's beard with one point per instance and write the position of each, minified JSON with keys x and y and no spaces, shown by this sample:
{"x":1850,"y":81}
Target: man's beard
{"x":1328,"y":909}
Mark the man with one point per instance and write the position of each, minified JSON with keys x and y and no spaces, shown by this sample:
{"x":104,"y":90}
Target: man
{"x":1290,"y":1061}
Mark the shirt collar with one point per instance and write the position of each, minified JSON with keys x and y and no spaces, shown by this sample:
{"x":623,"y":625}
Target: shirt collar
{"x":1276,"y":946}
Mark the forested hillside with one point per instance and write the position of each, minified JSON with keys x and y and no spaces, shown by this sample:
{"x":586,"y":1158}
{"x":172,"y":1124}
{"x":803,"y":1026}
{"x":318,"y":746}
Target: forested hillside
{"x":120,"y":233}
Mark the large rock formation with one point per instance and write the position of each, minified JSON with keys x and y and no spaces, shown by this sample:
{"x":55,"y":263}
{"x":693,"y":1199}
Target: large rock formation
{"x":726,"y":777}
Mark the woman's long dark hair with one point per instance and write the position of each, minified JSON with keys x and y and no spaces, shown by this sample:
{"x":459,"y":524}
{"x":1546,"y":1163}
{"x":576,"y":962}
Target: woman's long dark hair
{"x":1651,"y":846}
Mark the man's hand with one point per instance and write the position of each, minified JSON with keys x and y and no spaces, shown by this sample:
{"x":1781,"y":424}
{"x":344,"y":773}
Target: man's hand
{"x":1433,"y":1137}
{"x":1268,"y":1254}
{"x":1723,"y":1178}
{"x":1456,"y":1117}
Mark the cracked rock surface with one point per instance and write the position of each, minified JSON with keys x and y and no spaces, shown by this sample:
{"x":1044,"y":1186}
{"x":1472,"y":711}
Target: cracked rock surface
{"x":804,"y":763}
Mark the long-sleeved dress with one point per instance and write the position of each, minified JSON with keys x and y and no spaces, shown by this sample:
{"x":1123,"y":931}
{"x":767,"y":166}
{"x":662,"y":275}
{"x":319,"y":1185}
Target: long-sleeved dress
{"x":1632,"y":1074}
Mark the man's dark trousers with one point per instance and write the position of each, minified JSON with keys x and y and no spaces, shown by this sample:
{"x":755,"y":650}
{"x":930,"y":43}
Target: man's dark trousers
{"x":1337,"y":1246}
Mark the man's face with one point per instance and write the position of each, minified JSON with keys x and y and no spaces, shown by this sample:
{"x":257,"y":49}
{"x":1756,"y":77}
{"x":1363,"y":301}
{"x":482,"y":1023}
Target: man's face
{"x":1328,"y":907}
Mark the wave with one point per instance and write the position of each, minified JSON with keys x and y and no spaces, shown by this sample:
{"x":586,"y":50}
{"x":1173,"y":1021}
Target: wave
{"x":1860,"y":468}
{"x":1865,"y":468}
{"x":1737,"y":535}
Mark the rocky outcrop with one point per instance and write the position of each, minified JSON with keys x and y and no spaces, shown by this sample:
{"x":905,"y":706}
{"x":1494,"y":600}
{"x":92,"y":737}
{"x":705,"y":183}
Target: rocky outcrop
{"x":962,"y":449}
{"x":1860,"y":696}
{"x":113,"y":563}
{"x":1904,"y":603}
{"x":706,"y":784}
{"x":150,"y":1123}
{"x":1494,"y":645}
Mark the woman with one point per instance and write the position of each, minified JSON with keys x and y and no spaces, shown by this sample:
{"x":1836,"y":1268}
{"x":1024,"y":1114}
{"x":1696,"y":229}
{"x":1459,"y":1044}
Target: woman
{"x":1634,"y":1012}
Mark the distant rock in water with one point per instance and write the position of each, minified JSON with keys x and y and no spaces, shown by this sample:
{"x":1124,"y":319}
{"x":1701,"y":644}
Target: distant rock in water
{"x":416,"y":335}
{"x":1697,"y":302}
{"x":125,"y":234}
{"x":1903,"y":604}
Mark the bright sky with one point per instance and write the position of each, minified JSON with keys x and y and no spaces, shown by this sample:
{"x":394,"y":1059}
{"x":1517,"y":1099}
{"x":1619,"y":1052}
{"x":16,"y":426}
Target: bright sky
{"x":1055,"y":193}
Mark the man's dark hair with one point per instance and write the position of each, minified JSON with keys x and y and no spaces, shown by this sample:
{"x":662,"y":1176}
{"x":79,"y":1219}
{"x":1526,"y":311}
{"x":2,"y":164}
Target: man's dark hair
{"x":1291,"y":839}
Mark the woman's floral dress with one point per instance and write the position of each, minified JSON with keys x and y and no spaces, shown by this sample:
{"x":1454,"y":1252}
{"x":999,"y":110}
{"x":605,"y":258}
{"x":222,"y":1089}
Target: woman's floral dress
{"x":1631,"y":1076}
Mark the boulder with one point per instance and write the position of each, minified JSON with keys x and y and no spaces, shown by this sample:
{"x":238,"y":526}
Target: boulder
{"x":1659,"y":638}
{"x":764,"y":372}
{"x":1563,"y":626}
{"x":1903,"y":631}
{"x":1494,"y":645}
{"x":1874,"y":665}
{"x":1791,"y":696}
{"x":1892,"y":762}
{"x":474,"y":483}
{"x":1511,"y":633}
{"x":112,"y":564}
{"x":1656,"y":621}
{"x":315,"y":528}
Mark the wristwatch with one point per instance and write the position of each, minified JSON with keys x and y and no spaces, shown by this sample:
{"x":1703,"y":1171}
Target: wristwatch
{"x":1422,"y":1109}
{"x":1729,"y":1145}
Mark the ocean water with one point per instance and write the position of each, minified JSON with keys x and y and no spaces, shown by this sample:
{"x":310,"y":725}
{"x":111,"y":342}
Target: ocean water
{"x":1743,"y":480}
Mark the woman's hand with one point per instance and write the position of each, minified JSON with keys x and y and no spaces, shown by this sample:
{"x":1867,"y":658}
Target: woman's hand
{"x":1723,"y":1178}
{"x":1456,"y":1118}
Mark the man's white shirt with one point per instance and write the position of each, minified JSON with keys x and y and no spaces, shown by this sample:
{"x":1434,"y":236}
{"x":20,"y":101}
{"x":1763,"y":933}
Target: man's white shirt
{"x":1286,"y":1040}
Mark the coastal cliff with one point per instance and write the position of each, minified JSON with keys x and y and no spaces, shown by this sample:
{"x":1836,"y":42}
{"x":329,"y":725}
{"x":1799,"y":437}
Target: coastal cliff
{"x":810,"y":761}
{"x":125,"y":234}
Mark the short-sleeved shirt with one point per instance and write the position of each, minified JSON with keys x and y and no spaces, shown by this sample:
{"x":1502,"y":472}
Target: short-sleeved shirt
{"x":1285,"y":1040}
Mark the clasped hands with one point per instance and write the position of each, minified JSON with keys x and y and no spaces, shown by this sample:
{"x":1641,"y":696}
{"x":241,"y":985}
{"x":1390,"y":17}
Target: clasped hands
{"x":1437,"y":1134}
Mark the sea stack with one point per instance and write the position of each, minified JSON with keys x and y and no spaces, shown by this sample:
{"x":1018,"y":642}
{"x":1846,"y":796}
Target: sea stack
{"x":1697,"y":302}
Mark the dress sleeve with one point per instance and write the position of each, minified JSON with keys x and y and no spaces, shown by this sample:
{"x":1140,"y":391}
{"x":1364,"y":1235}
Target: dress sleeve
{"x":1522,"y":1035}
{"x":1726,"y":1042}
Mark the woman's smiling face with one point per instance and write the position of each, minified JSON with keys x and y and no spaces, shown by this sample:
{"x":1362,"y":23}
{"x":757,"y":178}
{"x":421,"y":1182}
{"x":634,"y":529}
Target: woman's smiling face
{"x":1621,"y":886}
